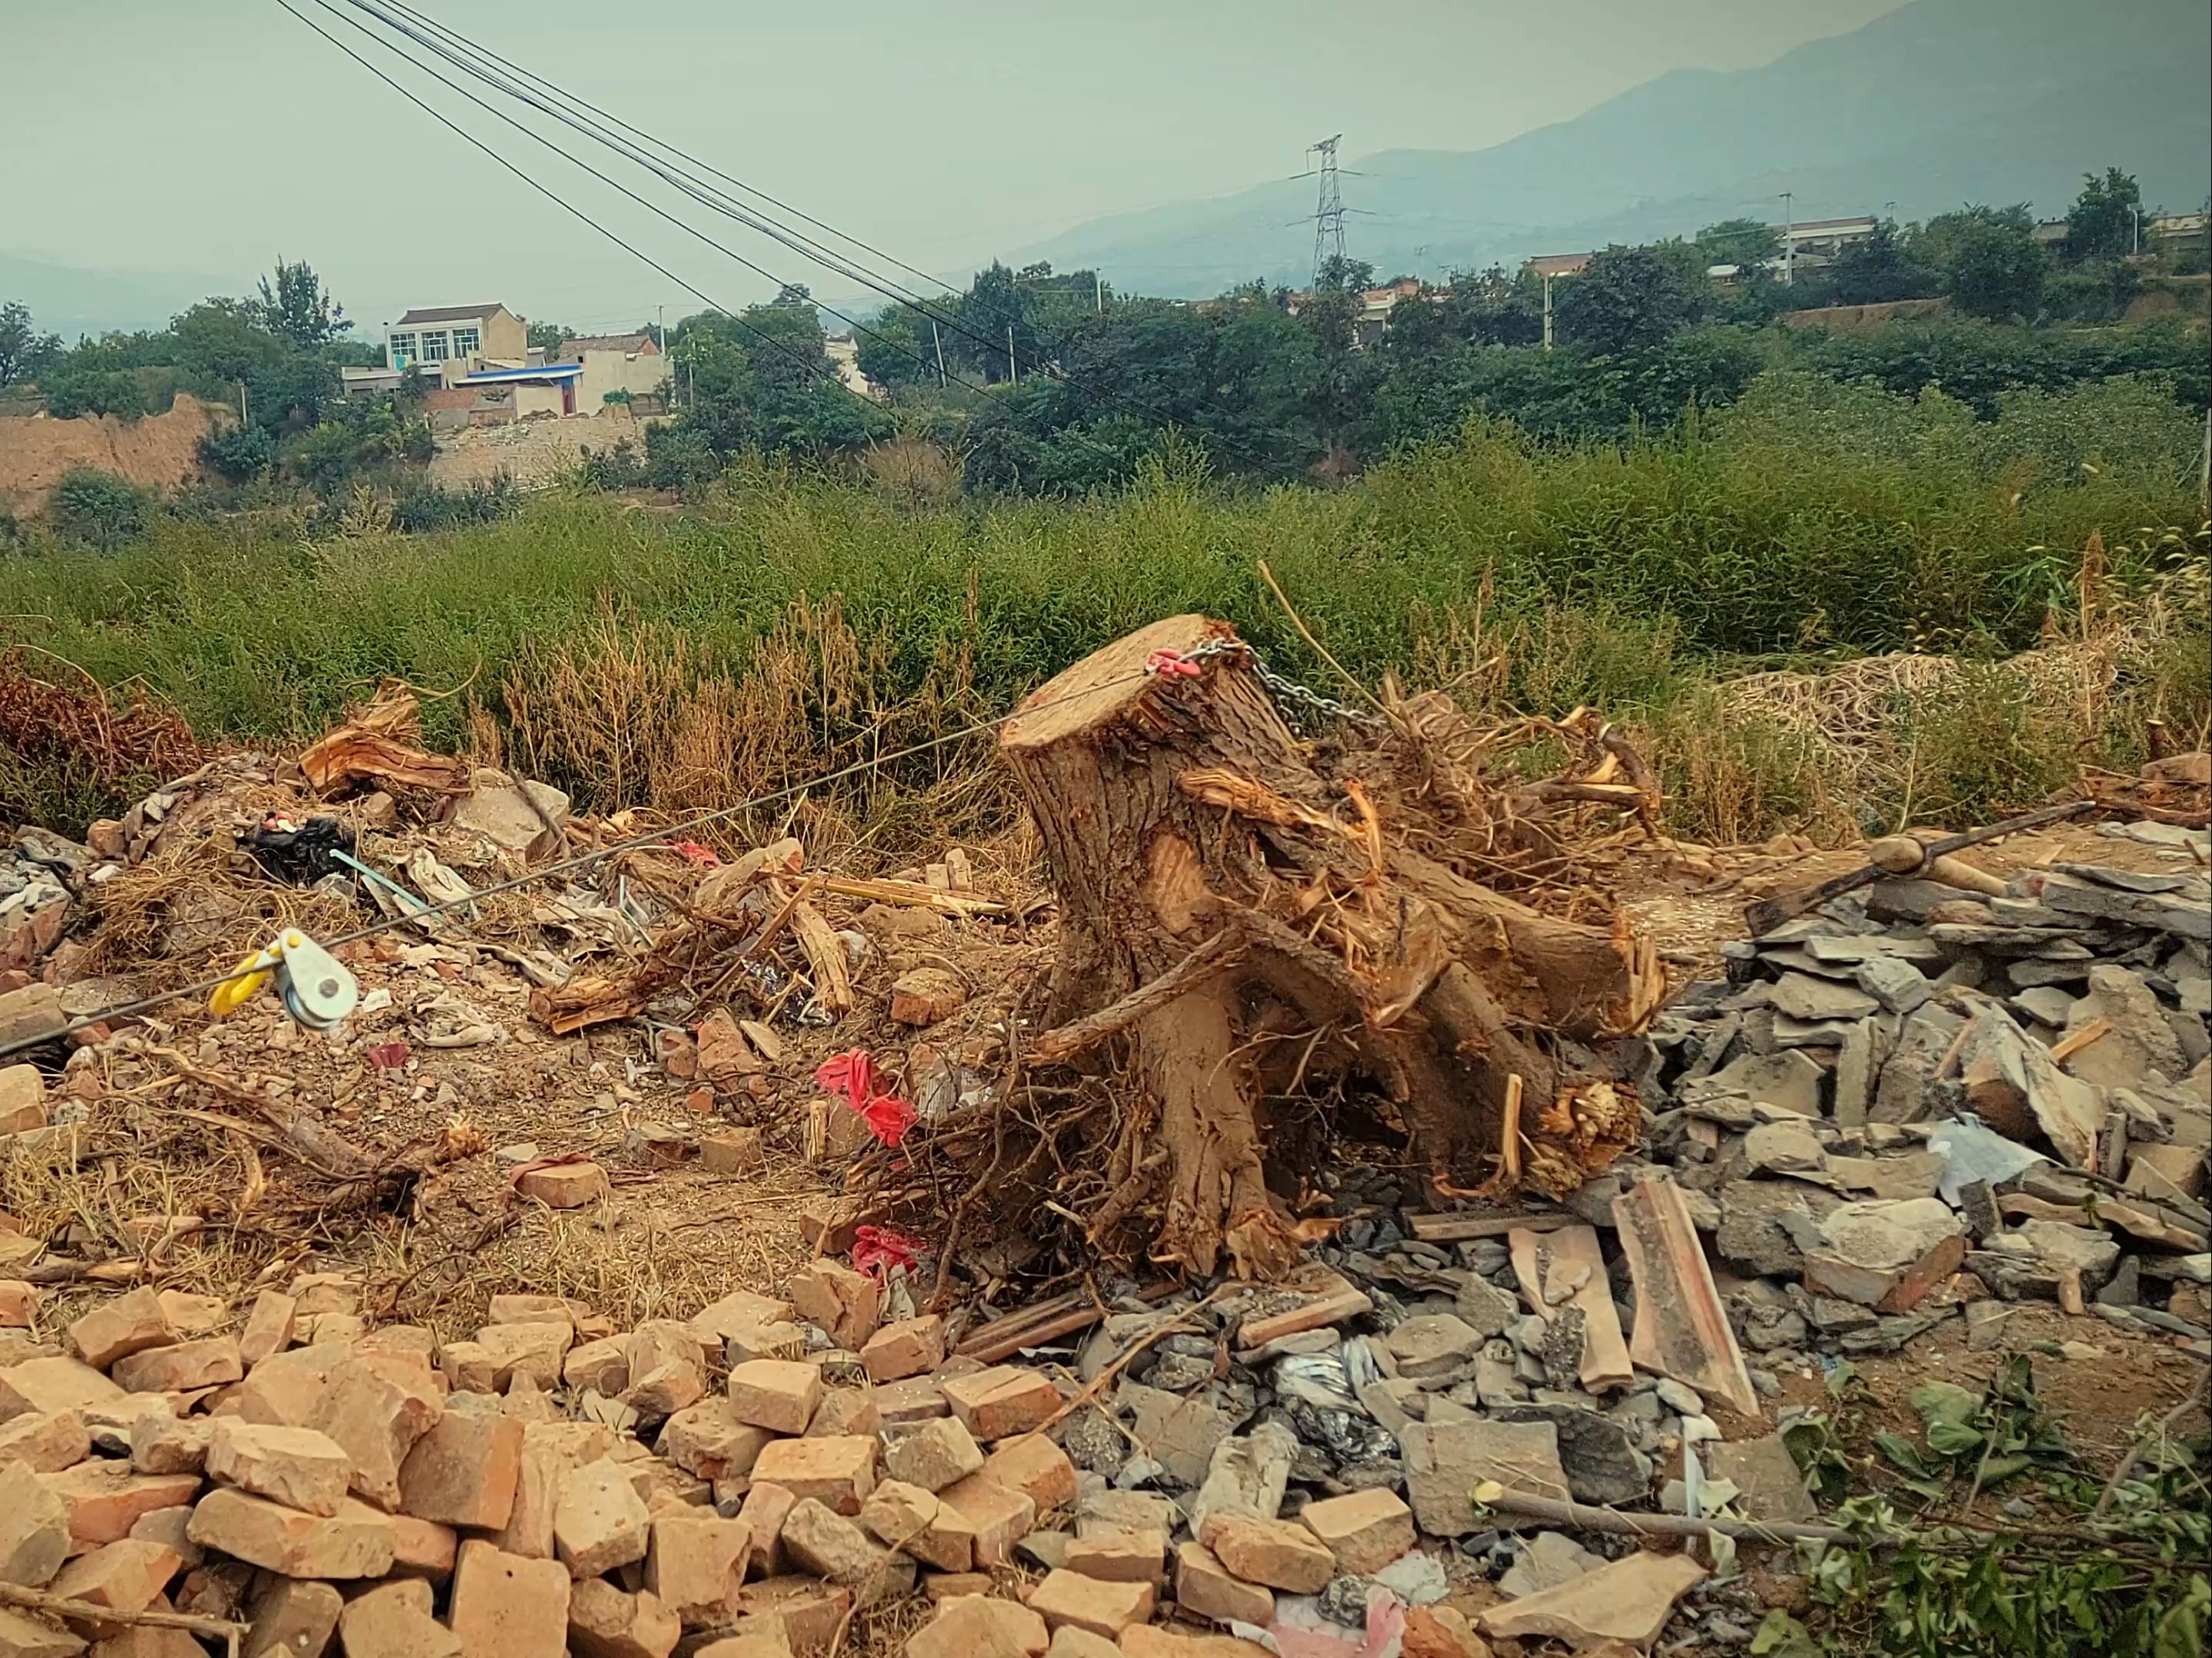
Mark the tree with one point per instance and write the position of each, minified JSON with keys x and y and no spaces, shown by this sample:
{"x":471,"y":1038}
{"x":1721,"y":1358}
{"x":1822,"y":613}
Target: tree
{"x":1744,"y":242}
{"x":1627,"y":297}
{"x":1880,"y":269}
{"x":21,"y":351}
{"x":2101,"y":224}
{"x":1990,"y":262}
{"x":299,"y":308}
{"x":547,"y":335}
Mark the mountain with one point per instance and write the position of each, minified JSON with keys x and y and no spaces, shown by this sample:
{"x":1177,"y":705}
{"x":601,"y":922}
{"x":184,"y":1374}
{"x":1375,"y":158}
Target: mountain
{"x":69,"y":301}
{"x":1936,"y":104}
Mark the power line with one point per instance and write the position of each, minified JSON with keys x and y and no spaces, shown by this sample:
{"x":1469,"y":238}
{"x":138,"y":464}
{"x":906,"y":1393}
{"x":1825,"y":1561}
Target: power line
{"x":459,"y":50}
{"x":554,"y":197}
{"x":815,"y":370}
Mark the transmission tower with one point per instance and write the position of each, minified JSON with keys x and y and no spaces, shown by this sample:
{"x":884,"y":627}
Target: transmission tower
{"x":1329,"y":211}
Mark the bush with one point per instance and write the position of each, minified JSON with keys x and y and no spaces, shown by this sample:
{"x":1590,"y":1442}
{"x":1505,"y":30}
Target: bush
{"x":238,"y":454}
{"x":617,"y":468}
{"x":101,"y":508}
{"x":433,"y":508}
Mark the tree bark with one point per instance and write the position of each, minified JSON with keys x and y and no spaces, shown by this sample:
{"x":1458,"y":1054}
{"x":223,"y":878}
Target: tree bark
{"x":1175,"y":810}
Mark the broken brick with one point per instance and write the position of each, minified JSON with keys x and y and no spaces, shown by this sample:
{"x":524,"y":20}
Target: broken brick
{"x":838,"y":1471}
{"x":913,"y":1347}
{"x":1002,"y":1401}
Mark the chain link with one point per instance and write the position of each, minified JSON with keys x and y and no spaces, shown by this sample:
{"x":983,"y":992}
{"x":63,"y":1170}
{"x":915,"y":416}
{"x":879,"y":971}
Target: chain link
{"x":1290,"y":696}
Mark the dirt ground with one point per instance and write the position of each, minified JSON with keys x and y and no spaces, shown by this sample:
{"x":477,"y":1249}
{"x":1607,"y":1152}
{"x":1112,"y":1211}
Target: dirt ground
{"x":158,"y":452}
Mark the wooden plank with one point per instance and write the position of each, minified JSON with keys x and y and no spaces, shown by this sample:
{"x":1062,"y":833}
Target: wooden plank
{"x":1464,"y":1229}
{"x":825,"y":955}
{"x":1682,"y":1330}
{"x":1032,"y":1327}
{"x":1333,"y":1299}
{"x":1540,"y":1259}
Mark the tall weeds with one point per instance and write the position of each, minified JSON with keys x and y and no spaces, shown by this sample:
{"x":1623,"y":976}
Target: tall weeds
{"x":791,"y":625}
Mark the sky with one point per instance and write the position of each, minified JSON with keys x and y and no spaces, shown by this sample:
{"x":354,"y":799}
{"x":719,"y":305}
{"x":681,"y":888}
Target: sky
{"x":207,"y":137}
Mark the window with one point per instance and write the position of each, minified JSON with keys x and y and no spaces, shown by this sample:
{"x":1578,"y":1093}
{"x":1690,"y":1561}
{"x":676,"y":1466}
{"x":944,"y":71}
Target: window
{"x":433,"y":346}
{"x":403,"y":348}
{"x":467,"y":342}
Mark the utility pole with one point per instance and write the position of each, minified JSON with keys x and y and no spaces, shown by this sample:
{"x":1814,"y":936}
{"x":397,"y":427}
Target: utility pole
{"x":937,"y":340}
{"x":1547,"y":311}
{"x":661,"y":326}
{"x":1788,"y":241}
{"x":1098,"y":291}
{"x":1328,"y":210}
{"x":241,"y":403}
{"x":1013,"y":374}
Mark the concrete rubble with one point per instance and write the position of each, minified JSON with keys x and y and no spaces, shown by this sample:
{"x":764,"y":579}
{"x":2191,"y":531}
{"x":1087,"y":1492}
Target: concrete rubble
{"x":1907,"y":1105}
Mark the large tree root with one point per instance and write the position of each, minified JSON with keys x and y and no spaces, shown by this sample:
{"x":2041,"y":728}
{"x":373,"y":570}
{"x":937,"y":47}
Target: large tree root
{"x":1242,"y":916}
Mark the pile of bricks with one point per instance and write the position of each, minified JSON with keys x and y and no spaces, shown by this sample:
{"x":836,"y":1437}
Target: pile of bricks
{"x":734,"y":1486}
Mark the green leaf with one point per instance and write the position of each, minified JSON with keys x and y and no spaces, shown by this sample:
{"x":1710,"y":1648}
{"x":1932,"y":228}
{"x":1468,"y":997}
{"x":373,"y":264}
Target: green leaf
{"x":2004,"y":1467}
{"x":1943,"y":1401}
{"x":1782,"y":1636}
{"x":1953,"y":1439}
{"x":1902,"y":1452}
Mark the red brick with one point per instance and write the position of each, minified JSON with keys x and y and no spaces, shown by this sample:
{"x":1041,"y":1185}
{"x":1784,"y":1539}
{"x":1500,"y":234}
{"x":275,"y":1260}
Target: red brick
{"x":47,"y":1385}
{"x":19,"y":1305}
{"x":779,"y":1395}
{"x":839,"y":1472}
{"x":181,"y":1368}
{"x":463,"y":1470}
{"x":1034,"y":1466}
{"x":105,"y":1498}
{"x":125,"y":1576}
{"x":979,"y":1626}
{"x":505,"y":1606}
{"x":268,"y":1327}
{"x":604,"y":1622}
{"x":565,"y":1185}
{"x":767,"y":1506}
{"x":296,"y":1466}
{"x":376,"y":1413}
{"x":810,"y":1610}
{"x":1002,"y":1401}
{"x":1279,"y":1553}
{"x":1206,"y":1588}
{"x":116,"y":1329}
{"x":913,"y":1347}
{"x":1365,"y":1531}
{"x":600,"y":1521}
{"x":47,"y":1441}
{"x":842,"y":1301}
{"x":355,"y":1542}
{"x":695,"y":1567}
{"x":393,"y":1620}
{"x":1000,"y":1517}
{"x":1101,"y":1607}
{"x":1126,"y":1557}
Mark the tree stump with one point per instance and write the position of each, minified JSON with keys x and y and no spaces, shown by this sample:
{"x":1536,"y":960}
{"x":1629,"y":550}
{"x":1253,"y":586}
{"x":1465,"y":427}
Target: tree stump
{"x":1239,"y":911}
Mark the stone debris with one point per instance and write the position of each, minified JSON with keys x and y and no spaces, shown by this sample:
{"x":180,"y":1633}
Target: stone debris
{"x":1886,"y":1115}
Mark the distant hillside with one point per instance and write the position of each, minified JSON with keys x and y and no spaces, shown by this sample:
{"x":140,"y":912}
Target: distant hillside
{"x":68,"y":301}
{"x":1942,"y":102}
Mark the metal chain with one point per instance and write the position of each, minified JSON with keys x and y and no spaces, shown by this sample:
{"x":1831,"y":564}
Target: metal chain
{"x":1289,"y":694}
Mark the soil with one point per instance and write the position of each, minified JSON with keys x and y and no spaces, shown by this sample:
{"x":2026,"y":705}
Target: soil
{"x":159,"y":452}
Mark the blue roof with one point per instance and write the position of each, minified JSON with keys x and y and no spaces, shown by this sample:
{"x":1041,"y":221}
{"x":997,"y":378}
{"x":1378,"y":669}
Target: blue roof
{"x":551,"y":371}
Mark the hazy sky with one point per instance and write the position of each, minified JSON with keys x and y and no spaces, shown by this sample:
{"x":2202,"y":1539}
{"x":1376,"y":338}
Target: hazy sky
{"x":210,"y":135}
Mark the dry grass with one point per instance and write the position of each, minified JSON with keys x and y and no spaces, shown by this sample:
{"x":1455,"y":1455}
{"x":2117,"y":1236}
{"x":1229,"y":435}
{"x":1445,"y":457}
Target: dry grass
{"x":663,"y":1245}
{"x":626,"y":712}
{"x":185,"y":914}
